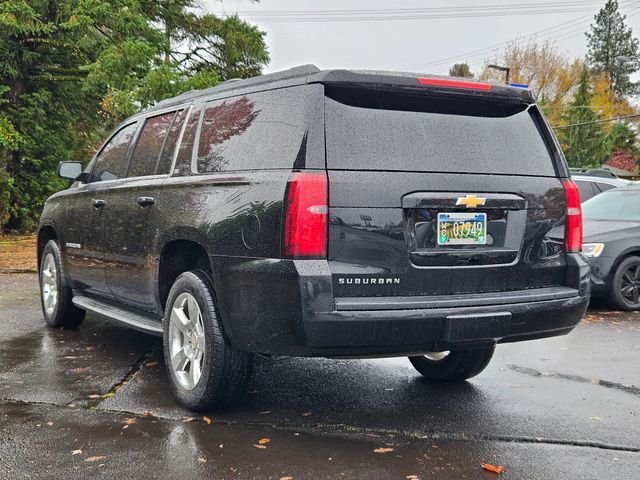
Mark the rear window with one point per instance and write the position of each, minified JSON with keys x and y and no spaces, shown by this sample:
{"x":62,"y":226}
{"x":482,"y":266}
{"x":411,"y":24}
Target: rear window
{"x":377,"y":130}
{"x":623,"y":205}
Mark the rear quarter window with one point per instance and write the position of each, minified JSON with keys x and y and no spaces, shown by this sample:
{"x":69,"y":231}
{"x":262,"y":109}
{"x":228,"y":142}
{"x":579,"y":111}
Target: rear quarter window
{"x":408,"y":132}
{"x":265,"y":130}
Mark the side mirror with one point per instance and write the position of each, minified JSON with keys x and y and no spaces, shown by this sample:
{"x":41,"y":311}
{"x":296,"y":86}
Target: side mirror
{"x":70,"y":170}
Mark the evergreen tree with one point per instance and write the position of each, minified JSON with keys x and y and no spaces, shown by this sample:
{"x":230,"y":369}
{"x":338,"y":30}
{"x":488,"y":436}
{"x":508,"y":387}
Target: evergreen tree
{"x":71,"y":69}
{"x":584,"y":142}
{"x":613,"y":49}
{"x":460,"y":70}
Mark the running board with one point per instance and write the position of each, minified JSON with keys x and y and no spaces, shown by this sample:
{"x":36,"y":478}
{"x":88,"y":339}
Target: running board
{"x":138,"y":321}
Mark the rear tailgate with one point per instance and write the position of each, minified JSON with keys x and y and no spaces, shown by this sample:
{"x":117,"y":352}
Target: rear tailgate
{"x":433,"y":195}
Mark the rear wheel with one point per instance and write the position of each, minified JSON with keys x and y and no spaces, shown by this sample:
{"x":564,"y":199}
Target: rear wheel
{"x":625,"y":286}
{"x":453,"y":365}
{"x":204,"y":372}
{"x":55,"y":292}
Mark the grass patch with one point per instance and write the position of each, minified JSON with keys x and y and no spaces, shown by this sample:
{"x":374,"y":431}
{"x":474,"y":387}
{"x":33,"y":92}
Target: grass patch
{"x":18,"y":253}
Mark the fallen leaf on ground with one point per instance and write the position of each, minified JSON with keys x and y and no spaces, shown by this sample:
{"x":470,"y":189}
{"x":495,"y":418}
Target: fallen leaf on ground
{"x":260,"y":446}
{"x":412,"y":477}
{"x":286,"y":478}
{"x":306,"y":414}
{"x":151,"y":364}
{"x":492,"y":468}
{"x":129,"y":421}
{"x":202,"y":460}
{"x":94,"y":396}
{"x":262,"y":441}
{"x":76,"y":452}
{"x":96,"y":458}
{"x":50,"y":424}
{"x":383,"y":450}
{"x":90,"y":348}
{"x":188,"y":419}
{"x":207,"y":420}
{"x":147,"y":413}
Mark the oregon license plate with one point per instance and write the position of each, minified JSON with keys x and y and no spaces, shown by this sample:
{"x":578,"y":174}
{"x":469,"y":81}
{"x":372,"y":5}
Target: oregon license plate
{"x":462,"y":228}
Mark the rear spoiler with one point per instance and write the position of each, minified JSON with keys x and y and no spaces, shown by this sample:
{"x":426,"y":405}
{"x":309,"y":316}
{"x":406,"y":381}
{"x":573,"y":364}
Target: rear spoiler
{"x":431,"y":83}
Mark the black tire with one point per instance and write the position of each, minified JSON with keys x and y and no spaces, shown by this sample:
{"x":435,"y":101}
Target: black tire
{"x":457,"y":366}
{"x":626,"y":277}
{"x":225,"y":372}
{"x":62,"y":314}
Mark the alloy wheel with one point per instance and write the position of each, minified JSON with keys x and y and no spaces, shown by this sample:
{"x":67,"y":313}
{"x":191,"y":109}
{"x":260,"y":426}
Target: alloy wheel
{"x":186,"y":341}
{"x":630,"y":285}
{"x":49,"y":284}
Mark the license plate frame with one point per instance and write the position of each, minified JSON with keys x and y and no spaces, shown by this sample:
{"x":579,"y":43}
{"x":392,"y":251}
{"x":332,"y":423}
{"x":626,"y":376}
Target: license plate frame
{"x":461,"y":228}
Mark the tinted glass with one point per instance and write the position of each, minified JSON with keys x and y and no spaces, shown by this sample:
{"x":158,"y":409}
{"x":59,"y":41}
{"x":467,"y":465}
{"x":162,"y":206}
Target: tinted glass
{"x":169,"y":148}
{"x":604,"y":186}
{"x":110,"y":163}
{"x":614,"y":205}
{"x":146,"y":153}
{"x":258,"y":131}
{"x":183,"y":160}
{"x":371,"y":130}
{"x":586,"y":190}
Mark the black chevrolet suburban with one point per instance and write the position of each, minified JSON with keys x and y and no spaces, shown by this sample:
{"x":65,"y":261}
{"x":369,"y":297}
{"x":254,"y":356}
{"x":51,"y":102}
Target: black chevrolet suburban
{"x":321,"y":213}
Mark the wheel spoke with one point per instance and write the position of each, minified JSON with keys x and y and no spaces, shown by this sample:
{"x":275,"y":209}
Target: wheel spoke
{"x":627,"y":290}
{"x":194,"y":311}
{"x":195,"y":372}
{"x":179,"y":360}
{"x":181,"y":320}
{"x":200,"y":345}
{"x":636,"y":295}
{"x":628,"y":276}
{"x":636,"y":275}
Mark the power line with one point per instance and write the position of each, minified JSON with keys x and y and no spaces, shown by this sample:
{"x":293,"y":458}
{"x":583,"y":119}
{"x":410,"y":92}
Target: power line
{"x":556,"y":30}
{"x":387,"y":14}
{"x":604,"y":120}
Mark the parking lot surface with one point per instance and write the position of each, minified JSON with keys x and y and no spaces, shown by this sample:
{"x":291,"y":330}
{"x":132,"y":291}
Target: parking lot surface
{"x":94,"y":402}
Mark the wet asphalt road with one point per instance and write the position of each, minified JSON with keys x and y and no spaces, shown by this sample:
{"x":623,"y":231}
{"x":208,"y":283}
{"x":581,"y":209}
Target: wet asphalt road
{"x":94,"y":402}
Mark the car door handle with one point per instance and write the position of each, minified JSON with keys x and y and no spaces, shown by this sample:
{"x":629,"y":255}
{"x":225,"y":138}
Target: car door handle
{"x":98,"y":203}
{"x":146,"y":201}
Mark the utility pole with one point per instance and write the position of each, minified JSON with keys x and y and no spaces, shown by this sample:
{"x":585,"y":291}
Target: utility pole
{"x":506,"y":70}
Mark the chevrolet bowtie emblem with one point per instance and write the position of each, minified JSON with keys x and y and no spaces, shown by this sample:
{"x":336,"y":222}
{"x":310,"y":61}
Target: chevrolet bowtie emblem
{"x":471,"y":201}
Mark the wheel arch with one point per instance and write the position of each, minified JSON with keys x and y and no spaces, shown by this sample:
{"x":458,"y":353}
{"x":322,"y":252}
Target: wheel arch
{"x":45,"y":234}
{"x":177,"y":256}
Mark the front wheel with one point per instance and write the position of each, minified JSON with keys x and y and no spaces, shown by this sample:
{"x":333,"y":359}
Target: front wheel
{"x":453,"y":365}
{"x":625,"y":285}
{"x":55,"y":292}
{"x":204,"y":372}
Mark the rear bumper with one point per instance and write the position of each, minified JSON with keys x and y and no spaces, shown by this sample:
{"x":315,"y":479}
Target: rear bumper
{"x":286,"y":307}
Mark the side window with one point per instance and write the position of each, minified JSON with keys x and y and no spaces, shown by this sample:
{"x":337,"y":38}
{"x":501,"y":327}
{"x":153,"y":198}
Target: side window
{"x":166,"y":157}
{"x":183,"y":161}
{"x":586,"y":190}
{"x":604,"y":186}
{"x":146,"y":154}
{"x":110,"y":161}
{"x":258,"y":131}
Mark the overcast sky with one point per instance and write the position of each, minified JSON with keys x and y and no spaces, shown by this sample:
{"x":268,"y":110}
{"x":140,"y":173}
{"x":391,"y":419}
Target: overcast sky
{"x":376,"y":34}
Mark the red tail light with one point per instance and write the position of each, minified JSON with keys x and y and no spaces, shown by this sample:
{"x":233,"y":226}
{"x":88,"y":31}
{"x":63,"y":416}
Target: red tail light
{"x":573,"y":219}
{"x":305,"y":223}
{"x":443,"y":82}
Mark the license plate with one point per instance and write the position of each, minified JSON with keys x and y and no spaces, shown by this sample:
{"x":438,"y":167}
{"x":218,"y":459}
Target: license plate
{"x":462,"y":228}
